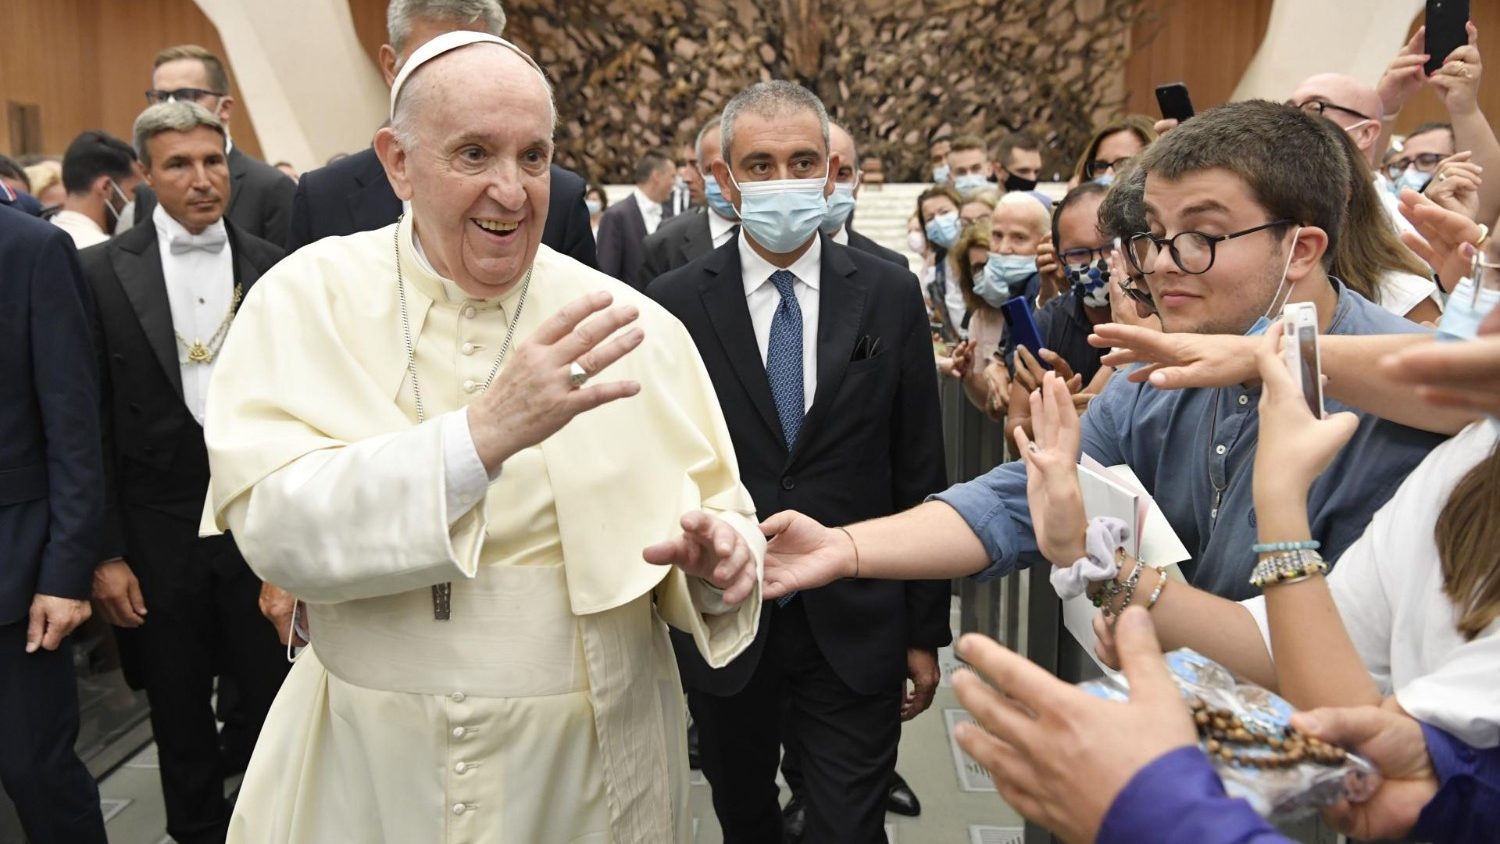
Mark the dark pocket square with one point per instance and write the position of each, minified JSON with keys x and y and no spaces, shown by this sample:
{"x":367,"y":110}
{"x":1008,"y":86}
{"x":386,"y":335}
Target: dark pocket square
{"x":867,"y":347}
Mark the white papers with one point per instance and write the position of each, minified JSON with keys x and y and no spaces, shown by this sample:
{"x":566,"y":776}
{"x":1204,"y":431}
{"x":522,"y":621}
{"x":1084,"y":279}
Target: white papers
{"x":1116,"y":492}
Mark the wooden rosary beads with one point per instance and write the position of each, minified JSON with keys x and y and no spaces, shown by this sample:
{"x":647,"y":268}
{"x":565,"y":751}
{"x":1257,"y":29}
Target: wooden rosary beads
{"x":1220,"y":729}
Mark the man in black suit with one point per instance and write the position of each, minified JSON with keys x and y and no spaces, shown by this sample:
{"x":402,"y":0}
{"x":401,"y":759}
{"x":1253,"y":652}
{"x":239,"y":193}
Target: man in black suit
{"x":186,"y":609}
{"x":261,"y":200}
{"x":51,"y":507}
{"x":353,"y":195}
{"x":698,"y":231}
{"x":821,"y":359}
{"x":626,"y":224}
{"x":838,"y":221}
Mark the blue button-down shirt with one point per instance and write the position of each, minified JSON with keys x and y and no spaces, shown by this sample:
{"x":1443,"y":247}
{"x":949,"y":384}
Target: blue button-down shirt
{"x":1193,"y":450}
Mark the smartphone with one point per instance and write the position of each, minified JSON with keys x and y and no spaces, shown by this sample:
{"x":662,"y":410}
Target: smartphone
{"x":1174,"y":101}
{"x":1447,"y":22}
{"x":1022,"y":326}
{"x":1299,"y":346}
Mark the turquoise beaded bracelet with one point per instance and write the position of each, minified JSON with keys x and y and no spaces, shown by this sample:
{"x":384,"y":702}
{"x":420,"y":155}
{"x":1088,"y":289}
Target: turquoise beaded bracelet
{"x":1275,"y":547}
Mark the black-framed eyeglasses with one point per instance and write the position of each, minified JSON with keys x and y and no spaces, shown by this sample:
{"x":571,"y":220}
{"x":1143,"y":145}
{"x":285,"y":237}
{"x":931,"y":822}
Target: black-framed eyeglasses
{"x":1194,"y":252}
{"x":1098,"y":167}
{"x":1322,"y":107}
{"x":1426,"y":162}
{"x":180,"y":95}
{"x":1135,"y":292}
{"x":1084,"y":256}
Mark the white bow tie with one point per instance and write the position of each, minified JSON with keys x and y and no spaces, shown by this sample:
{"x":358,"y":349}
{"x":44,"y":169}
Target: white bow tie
{"x":211,"y":240}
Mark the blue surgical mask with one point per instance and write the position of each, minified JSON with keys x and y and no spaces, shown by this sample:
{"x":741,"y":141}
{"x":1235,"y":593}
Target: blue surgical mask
{"x":940,"y":174}
{"x":1411,"y":178}
{"x":781,"y":214}
{"x":1277,"y":303}
{"x":840,"y":206}
{"x":594,"y":206}
{"x":971,"y":181}
{"x":943,"y":229}
{"x":1091,"y":283}
{"x":717,"y":200}
{"x":1464,"y":311}
{"x":1106,"y":180}
{"x":1004,"y":277}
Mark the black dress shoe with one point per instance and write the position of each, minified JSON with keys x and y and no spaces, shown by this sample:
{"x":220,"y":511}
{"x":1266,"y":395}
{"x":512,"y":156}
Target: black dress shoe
{"x":793,"y":820}
{"x":901,"y":799}
{"x":694,"y":760}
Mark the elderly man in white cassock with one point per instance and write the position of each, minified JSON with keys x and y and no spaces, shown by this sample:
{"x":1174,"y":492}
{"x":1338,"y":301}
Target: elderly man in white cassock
{"x":402,"y":435}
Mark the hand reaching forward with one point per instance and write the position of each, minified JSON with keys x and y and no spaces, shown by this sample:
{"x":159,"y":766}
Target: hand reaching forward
{"x":803,"y":554}
{"x":1176,"y":361}
{"x":532,"y":396}
{"x":1052,"y":473}
{"x":1294,"y":446}
{"x":712,"y":550}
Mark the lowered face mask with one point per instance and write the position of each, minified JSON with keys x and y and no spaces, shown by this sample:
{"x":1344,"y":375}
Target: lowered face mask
{"x":1277,"y":302}
{"x":1465,"y":311}
{"x":1004,"y":277}
{"x":781,"y":214}
{"x":1091,"y":283}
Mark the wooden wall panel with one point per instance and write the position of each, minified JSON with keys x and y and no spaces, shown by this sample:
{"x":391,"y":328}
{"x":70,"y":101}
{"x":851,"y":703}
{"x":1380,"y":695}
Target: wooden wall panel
{"x":87,"y":63}
{"x":1426,"y":106}
{"x":1204,"y":43}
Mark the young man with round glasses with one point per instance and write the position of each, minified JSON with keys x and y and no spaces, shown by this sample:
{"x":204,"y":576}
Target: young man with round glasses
{"x":1251,"y":195}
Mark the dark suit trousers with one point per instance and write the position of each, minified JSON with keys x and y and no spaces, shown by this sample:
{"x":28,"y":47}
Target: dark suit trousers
{"x":54,"y":793}
{"x":202,"y":619}
{"x":847,"y":743}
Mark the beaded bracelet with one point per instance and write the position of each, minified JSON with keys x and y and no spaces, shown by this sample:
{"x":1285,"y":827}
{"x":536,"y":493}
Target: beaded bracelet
{"x":1287,"y":567}
{"x":1272,"y":547}
{"x":1161,"y":586}
{"x":1127,"y":589}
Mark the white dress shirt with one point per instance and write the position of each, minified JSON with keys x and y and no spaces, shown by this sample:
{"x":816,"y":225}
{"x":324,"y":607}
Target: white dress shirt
{"x":1388,"y":588}
{"x":762,"y":298}
{"x":650,"y":211}
{"x":200,"y":289}
{"x":81,"y":227}
{"x":721,"y":228}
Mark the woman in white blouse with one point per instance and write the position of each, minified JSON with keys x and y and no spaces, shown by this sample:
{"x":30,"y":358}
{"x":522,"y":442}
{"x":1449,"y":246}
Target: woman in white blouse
{"x":1407,"y":618}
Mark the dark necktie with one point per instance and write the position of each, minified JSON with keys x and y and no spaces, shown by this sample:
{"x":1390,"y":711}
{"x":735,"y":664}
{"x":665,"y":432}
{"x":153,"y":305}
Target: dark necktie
{"x":784,"y":366}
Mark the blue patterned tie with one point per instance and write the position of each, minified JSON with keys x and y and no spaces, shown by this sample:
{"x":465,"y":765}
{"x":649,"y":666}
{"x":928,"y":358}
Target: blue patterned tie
{"x":784,"y":358}
{"x":784,"y":366}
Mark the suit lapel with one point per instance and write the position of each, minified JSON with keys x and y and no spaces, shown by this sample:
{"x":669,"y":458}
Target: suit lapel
{"x":237,"y":171}
{"x":698,"y":239}
{"x":723,"y":295}
{"x":137,"y":263}
{"x":374,"y":205}
{"x":841,"y":306}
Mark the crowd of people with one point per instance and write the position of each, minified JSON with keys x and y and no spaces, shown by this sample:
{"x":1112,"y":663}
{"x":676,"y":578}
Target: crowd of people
{"x":392,"y":477}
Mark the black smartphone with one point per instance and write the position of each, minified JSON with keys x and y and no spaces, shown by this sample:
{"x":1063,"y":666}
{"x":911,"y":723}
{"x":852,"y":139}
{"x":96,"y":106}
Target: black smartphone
{"x":1023,"y":328}
{"x":1447,"y":22}
{"x":1174,"y":101}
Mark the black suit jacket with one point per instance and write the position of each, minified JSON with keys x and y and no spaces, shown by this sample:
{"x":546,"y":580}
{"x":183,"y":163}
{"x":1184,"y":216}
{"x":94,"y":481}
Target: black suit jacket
{"x":622,"y":235}
{"x":155,"y":457}
{"x":870,"y":247}
{"x":353,"y":195}
{"x":676,"y":242}
{"x":51,"y":475}
{"x":260,"y":198}
{"x":871,"y":445}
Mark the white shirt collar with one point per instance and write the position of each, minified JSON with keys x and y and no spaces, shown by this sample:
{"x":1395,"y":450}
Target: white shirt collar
{"x":167,"y":226}
{"x":648,"y":207}
{"x":756,"y":271}
{"x":719,"y":227}
{"x":69,"y":219}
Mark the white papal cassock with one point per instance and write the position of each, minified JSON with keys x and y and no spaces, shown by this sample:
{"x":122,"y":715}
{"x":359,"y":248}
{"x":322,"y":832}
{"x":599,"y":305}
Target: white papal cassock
{"x":547,"y":709}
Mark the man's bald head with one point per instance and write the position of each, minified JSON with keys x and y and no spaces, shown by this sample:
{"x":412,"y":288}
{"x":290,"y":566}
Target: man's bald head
{"x":841,"y":143}
{"x":1348,"y":102}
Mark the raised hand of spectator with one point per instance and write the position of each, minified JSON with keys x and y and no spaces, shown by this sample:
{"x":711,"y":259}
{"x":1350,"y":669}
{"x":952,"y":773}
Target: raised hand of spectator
{"x":1404,"y":76}
{"x":1165,"y":125}
{"x":1457,"y":80}
{"x":1050,"y":268}
{"x":1029,"y":370}
{"x":1440,"y":237}
{"x":1455,"y":184}
{"x":997,"y":382}
{"x":1052,"y":472}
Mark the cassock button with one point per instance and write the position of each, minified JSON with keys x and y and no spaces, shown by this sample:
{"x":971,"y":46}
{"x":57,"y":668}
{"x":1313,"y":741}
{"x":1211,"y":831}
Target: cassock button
{"x":788,"y":483}
{"x":469,"y":312}
{"x":457,"y":697}
{"x":471,"y":386}
{"x":468,"y":348}
{"x":460,"y":768}
{"x":459,"y":808}
{"x":458,"y":732}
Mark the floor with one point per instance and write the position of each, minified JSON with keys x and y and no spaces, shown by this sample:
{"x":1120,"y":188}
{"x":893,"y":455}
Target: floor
{"x":959,"y":806}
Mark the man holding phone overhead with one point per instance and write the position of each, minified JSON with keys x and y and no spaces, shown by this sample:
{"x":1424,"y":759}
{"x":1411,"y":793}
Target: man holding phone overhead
{"x":1243,"y":205}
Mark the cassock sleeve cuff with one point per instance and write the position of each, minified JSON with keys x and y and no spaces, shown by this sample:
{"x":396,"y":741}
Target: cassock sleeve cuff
{"x":467,"y":481}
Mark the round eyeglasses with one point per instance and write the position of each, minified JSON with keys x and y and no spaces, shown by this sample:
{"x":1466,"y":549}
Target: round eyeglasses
{"x":1194,"y":252}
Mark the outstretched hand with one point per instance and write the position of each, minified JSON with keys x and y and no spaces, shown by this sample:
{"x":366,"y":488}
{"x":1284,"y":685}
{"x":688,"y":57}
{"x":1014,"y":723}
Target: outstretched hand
{"x":1176,"y":361}
{"x":712,"y":550}
{"x":803,"y":554}
{"x":1052,"y":473}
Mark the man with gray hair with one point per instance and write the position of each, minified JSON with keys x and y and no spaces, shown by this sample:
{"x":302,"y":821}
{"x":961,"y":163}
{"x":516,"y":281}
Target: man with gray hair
{"x":821,"y":359}
{"x":184,"y":608}
{"x":405,"y":434}
{"x":353,"y":195}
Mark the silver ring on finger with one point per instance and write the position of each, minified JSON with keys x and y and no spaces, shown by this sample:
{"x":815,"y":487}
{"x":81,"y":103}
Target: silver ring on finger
{"x":577,"y":375}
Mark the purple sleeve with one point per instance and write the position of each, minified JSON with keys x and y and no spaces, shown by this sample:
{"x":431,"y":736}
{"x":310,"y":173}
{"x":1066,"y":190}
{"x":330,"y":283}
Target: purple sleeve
{"x":1466,"y":809}
{"x":1178,"y":799}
